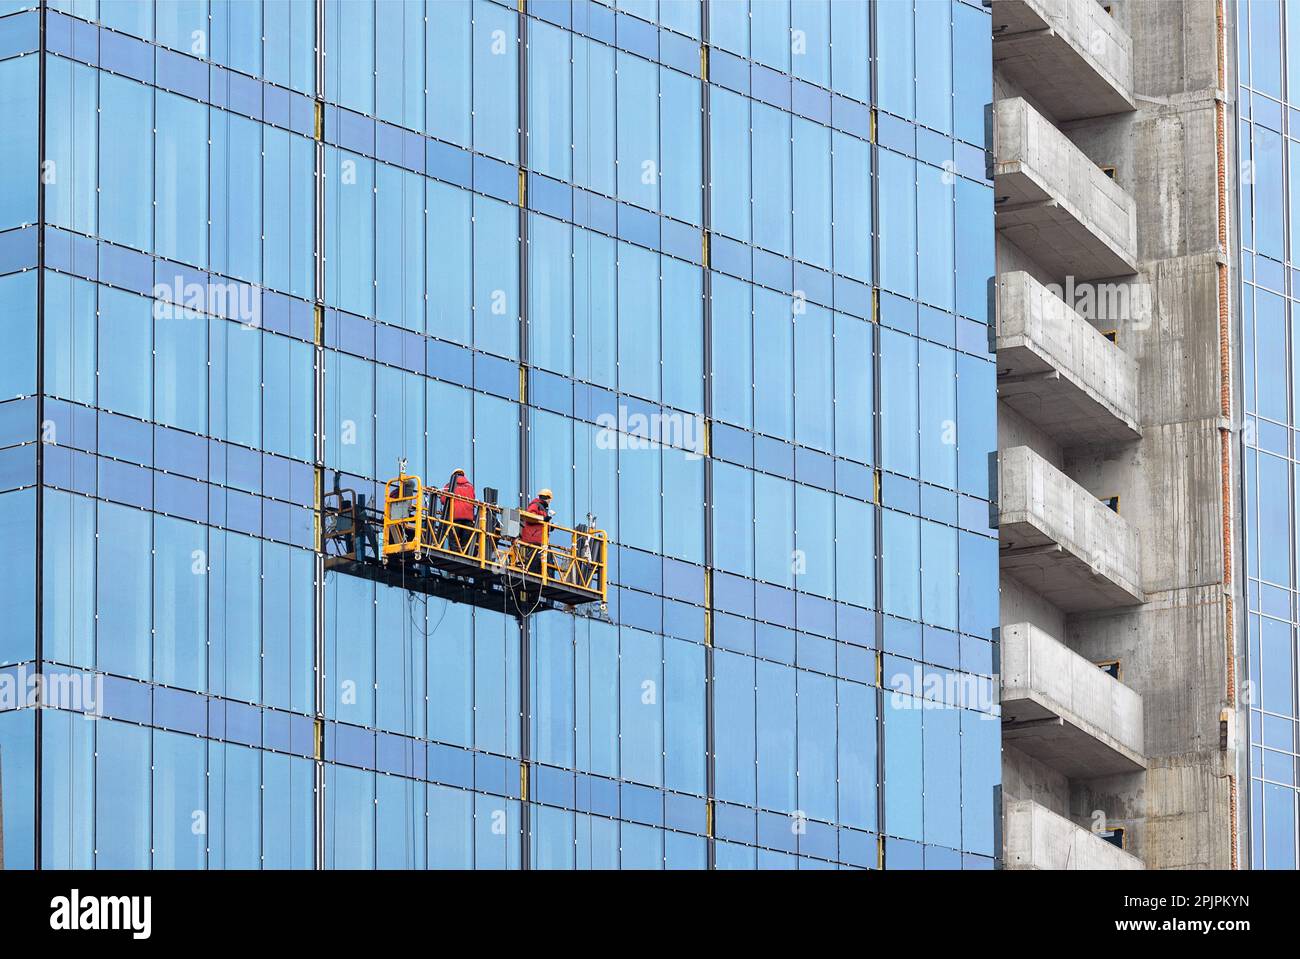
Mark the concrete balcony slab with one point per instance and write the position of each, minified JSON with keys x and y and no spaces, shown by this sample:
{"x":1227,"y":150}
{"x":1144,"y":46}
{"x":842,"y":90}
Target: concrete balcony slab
{"x":1057,"y":371}
{"x":1066,"y":711}
{"x":1060,"y":540}
{"x":1072,"y":54}
{"x":1037,"y":838}
{"x":1056,"y":204}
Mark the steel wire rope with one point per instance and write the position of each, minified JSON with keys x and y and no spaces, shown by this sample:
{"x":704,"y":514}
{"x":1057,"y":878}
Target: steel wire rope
{"x":408,"y":630}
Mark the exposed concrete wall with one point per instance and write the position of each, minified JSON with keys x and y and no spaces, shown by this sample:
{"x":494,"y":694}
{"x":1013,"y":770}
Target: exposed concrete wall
{"x":1012,"y":258}
{"x":1172,"y":651}
{"x":1187,"y":814}
{"x":1173,"y":45}
{"x":1111,"y":802}
{"x":1169,"y":489}
{"x":1024,"y":777}
{"x":1004,"y":88}
{"x":1020,"y":604}
{"x":1173,"y":815}
{"x":1176,"y":649}
{"x":1015,"y":430}
{"x":1155,"y":153}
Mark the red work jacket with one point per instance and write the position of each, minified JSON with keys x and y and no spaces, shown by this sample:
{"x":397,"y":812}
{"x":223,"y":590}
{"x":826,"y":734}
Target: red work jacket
{"x":532,"y":531}
{"x":461,"y":510}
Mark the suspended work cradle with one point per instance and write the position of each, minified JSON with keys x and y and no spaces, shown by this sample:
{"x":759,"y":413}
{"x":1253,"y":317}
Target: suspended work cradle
{"x":416,"y":543}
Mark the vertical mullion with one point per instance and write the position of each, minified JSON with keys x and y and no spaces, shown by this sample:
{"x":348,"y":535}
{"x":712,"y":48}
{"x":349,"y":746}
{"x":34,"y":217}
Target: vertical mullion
{"x":319,"y":456}
{"x":876,"y":435}
{"x":38,"y":598}
{"x":525,"y":646}
{"x":706,"y":176}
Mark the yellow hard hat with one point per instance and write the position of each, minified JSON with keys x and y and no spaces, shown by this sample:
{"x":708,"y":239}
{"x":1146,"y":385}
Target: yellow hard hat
{"x":544,"y":494}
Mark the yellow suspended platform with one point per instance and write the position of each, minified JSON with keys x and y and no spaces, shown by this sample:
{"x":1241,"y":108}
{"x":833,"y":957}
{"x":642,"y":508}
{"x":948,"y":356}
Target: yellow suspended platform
{"x":479,"y":558}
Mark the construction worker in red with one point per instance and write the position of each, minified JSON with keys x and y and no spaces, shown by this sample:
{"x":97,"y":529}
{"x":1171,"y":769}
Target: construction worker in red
{"x":460,"y":510}
{"x":535,"y":518}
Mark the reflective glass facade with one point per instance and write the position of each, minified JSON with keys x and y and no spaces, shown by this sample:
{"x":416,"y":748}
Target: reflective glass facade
{"x":717,"y":273}
{"x":1268,"y":97}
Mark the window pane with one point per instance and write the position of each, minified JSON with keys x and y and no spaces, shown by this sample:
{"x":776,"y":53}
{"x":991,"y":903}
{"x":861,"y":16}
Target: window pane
{"x":734,"y":698}
{"x":350,"y":36}
{"x":898,"y":402}
{"x":593,"y":115}
{"x":934,"y":89}
{"x":638,"y":142}
{"x":496,"y":92}
{"x":680,"y":150}
{"x":72,"y":101}
{"x":181,"y":179}
{"x":496,"y":277}
{"x":124,"y":591}
{"x":729,"y":148}
{"x":448,"y":54}
{"x":549,"y":74}
{"x":898,"y":247}
{"x":180,"y":368}
{"x":902,"y":565}
{"x":772,"y":158}
{"x":125,"y":351}
{"x":179,"y":801}
{"x":903,"y":766}
{"x":126,"y":162}
{"x":180,"y":585}
{"x":812,"y":193}
{"x":18,"y":589}
{"x":18,"y":326}
{"x":122,"y":807}
{"x":638,"y":321}
{"x":350,"y":231}
{"x":894,"y":45}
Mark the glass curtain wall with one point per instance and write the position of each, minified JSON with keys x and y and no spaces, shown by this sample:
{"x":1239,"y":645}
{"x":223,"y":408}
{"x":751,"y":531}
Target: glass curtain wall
{"x":716,"y":273}
{"x":1268,"y":35}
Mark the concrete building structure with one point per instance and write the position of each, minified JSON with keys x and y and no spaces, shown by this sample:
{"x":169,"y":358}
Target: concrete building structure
{"x":1117,"y":462}
{"x":1135,"y":160}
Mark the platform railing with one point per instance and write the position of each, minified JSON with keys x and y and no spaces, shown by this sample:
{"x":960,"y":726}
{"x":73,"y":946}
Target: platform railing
{"x":419,"y":521}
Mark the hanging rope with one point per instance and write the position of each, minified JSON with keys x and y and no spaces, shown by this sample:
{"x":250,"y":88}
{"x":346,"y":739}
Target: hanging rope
{"x":590,"y":256}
